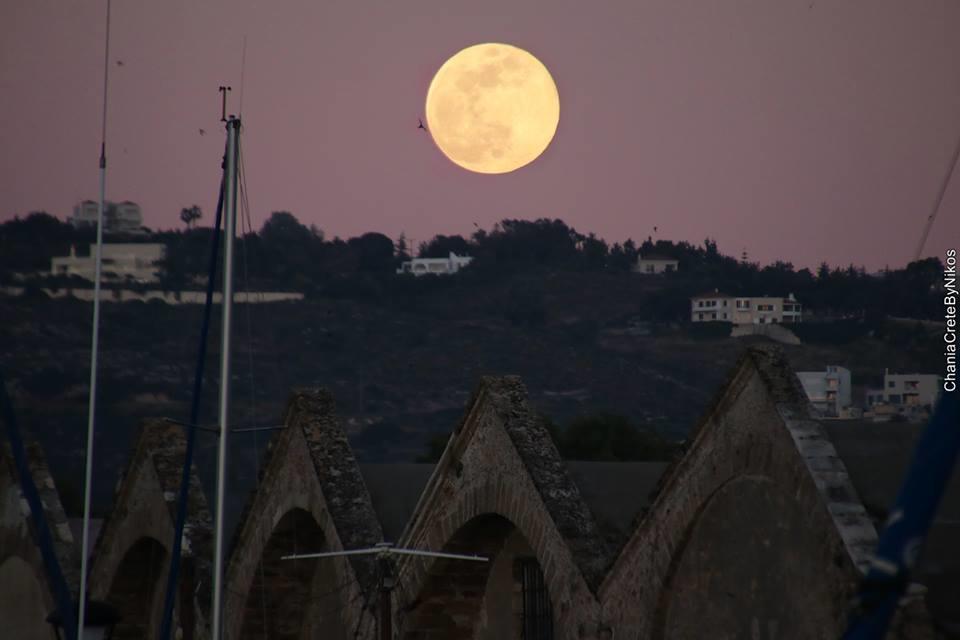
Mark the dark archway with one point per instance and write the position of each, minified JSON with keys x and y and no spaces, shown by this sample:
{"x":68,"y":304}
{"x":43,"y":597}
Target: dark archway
{"x":503,"y":599}
{"x":292,"y":599}
{"x":134,"y":589}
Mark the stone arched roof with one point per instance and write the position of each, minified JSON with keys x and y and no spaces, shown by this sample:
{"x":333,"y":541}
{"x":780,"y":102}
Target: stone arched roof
{"x":308,"y":466}
{"x":144,"y":506}
{"x":18,"y":535}
{"x":758,"y":426}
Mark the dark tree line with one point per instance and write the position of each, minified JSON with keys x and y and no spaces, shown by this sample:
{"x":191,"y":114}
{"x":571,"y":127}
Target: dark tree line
{"x":287,"y":254}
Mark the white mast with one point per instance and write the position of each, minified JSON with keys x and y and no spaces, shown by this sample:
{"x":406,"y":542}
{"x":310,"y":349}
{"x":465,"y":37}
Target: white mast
{"x":95,"y":344}
{"x":230,"y":225}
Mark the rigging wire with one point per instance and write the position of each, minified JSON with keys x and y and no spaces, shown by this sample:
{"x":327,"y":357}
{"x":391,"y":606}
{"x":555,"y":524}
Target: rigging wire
{"x":246,"y":229}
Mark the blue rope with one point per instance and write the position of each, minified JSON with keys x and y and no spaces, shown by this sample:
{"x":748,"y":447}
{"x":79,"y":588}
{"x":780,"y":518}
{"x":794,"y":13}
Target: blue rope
{"x":172,"y":576}
{"x":29,"y":489}
{"x":908,"y":524}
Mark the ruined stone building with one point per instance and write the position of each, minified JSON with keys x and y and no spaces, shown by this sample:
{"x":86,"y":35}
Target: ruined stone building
{"x":761,"y":529}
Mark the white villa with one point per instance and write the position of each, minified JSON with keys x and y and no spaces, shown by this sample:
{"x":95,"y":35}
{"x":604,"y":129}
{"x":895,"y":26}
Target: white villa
{"x":436,"y":266}
{"x":122,"y":259}
{"x":829,"y":391}
{"x":654,"y":264}
{"x":720,"y":307}
{"x":117,"y":216}
{"x":906,"y":390}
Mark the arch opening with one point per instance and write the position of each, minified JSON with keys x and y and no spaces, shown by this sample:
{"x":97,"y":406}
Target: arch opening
{"x":505,"y":598}
{"x":134,"y":589}
{"x":291,"y":599}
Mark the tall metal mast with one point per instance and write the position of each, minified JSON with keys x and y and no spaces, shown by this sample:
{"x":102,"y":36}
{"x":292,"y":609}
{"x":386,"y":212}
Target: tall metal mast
{"x":95,"y":342}
{"x":230,"y":227}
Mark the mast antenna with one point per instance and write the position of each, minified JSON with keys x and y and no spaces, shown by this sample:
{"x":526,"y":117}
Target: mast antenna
{"x":223,"y":105}
{"x":95,"y":343}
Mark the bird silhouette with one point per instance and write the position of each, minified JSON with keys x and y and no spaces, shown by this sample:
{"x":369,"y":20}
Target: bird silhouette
{"x":119,"y":63}
{"x":202,"y":131}
{"x":421,"y":124}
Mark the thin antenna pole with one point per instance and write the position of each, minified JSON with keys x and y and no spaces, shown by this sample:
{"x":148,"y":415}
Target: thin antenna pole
{"x":95,"y":342}
{"x":243,"y":68}
{"x":230,"y":228}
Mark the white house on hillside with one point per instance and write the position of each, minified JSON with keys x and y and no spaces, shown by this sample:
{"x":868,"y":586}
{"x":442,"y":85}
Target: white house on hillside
{"x":829,"y":391}
{"x":436,"y":266}
{"x":118,"y":217}
{"x":653,"y":264}
{"x":721,"y":307}
{"x":120,"y":260}
{"x":907,"y":390}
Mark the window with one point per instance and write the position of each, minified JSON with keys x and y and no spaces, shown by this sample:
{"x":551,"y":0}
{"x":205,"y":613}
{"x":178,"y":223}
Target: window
{"x":668,"y":268}
{"x":724,"y":303}
{"x":713,"y":316}
{"x":894,"y":398}
{"x":891,"y":384}
{"x":700,"y":303}
{"x":536,"y":613}
{"x":724,"y":316}
{"x":650,"y":268}
{"x":699,"y":316}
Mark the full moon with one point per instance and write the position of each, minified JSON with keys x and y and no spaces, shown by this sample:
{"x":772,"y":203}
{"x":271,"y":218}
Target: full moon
{"x":492,"y":108}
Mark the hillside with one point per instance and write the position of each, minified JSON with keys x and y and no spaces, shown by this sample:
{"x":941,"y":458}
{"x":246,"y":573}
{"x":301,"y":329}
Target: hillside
{"x":401,"y":366}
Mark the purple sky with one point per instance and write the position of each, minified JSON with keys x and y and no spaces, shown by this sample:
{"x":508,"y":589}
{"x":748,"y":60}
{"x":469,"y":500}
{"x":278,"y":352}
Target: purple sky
{"x":798,"y":132}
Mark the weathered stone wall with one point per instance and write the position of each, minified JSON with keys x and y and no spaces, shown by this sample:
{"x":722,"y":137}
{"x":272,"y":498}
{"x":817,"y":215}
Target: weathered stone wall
{"x":500,"y":462}
{"x":143,"y":517}
{"x":308,"y":468}
{"x":26,"y":597}
{"x":744,"y":482}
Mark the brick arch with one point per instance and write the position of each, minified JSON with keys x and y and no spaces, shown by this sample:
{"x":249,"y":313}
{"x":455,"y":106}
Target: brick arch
{"x":502,"y":461}
{"x":456,"y":597}
{"x":136,"y":589}
{"x":759,"y":437}
{"x":144,"y":509}
{"x":460,"y":532}
{"x":309,"y":479}
{"x":293,"y":598}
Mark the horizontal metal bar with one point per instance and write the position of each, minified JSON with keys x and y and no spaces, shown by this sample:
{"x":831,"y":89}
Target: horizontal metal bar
{"x":216,"y":428}
{"x":435,"y":554}
{"x":193,"y":426}
{"x":332,"y":554}
{"x":386,"y":550}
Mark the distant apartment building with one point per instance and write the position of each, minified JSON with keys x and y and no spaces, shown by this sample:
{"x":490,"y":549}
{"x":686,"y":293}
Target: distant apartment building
{"x":120,"y":261}
{"x":829,"y":391}
{"x":118,"y":217}
{"x":437,"y":266}
{"x":720,"y":307}
{"x":906,"y":390}
{"x":654,"y":264}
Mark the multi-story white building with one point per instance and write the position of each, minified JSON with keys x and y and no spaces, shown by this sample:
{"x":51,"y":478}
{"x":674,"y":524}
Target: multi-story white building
{"x":829,"y":391}
{"x":120,"y":260}
{"x":654,"y":264}
{"x":436,"y":266}
{"x":909,"y":390}
{"x":720,"y":307}
{"x":117,"y":217}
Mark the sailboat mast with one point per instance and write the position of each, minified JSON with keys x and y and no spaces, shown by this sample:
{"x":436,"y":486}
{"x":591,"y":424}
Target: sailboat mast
{"x":230,"y":227}
{"x":94,"y":346}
